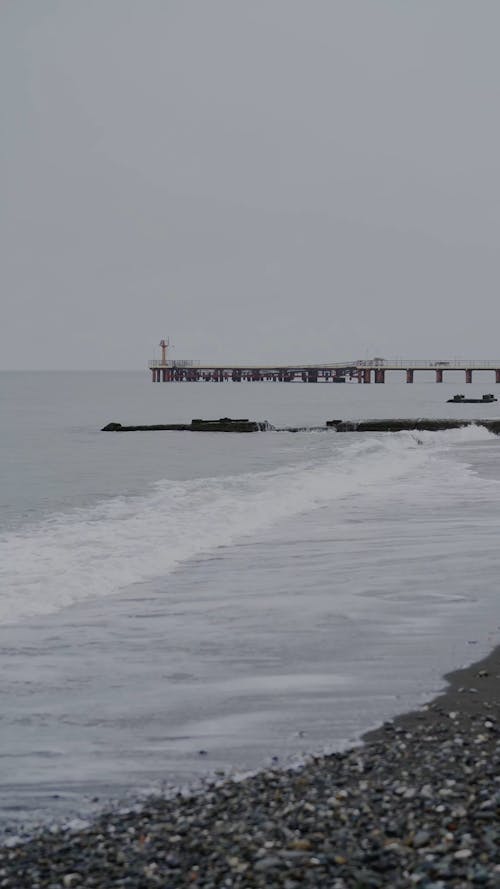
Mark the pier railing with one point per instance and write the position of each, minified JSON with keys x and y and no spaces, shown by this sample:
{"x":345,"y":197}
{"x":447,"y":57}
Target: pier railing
{"x":173,"y":362}
{"x":428,"y":363}
{"x":386,"y":363}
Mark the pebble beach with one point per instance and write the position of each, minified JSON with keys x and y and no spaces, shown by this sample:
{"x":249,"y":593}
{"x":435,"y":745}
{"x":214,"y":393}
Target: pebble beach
{"x":415,"y":804}
{"x":254,"y":642}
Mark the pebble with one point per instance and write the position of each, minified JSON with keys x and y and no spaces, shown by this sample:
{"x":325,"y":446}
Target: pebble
{"x":424,"y":814}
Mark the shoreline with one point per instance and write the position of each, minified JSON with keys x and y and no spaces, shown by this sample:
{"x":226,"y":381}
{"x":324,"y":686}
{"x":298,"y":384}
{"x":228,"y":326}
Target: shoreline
{"x":415,"y":804}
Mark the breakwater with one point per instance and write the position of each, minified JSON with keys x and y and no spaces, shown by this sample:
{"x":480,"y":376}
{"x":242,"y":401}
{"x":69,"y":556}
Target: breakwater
{"x":401,"y":425}
{"x":226,"y":424}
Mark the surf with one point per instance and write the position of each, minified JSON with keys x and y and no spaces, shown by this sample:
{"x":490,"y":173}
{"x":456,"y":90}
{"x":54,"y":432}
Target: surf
{"x":69,"y":557}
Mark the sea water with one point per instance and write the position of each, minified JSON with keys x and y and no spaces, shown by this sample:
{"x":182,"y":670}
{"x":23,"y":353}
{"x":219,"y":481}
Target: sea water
{"x":175,"y":605}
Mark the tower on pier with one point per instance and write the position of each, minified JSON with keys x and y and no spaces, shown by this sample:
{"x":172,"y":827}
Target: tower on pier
{"x":164,"y":344}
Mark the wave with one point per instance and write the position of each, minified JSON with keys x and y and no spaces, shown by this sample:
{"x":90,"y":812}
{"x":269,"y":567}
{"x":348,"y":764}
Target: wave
{"x":92,"y":552}
{"x":464,"y":434}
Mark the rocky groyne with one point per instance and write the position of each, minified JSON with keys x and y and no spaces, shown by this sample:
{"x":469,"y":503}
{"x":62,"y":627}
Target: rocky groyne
{"x":402,"y":424}
{"x":224,"y":424}
{"x":227,"y":424}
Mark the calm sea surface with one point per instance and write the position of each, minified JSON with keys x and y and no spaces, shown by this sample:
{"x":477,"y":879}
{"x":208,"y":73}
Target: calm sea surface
{"x":174,"y":604}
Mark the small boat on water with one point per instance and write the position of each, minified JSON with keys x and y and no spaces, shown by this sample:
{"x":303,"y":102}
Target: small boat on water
{"x":461,"y":399}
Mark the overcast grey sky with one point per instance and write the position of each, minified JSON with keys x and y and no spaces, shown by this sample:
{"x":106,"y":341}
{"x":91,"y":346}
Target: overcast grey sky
{"x":257,"y":179}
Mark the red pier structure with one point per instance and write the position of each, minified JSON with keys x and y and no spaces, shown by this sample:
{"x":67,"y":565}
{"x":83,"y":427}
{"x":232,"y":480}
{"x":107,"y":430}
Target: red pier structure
{"x":168,"y":370}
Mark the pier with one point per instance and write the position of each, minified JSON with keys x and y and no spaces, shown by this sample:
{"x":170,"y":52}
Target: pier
{"x":168,"y":370}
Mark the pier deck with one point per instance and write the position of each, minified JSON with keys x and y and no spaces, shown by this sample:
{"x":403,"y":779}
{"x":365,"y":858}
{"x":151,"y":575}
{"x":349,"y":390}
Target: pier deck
{"x":362,"y":371}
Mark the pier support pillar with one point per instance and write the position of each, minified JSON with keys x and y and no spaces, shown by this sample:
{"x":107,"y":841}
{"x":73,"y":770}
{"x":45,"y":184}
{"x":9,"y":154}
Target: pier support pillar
{"x":312,"y":376}
{"x":380,"y":376}
{"x":497,"y":376}
{"x":360,"y":376}
{"x":468,"y":375}
{"x":367,"y":375}
{"x":439,"y":376}
{"x":409,"y":375}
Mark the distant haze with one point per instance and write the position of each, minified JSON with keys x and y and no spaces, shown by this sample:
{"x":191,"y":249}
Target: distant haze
{"x":289,"y":180}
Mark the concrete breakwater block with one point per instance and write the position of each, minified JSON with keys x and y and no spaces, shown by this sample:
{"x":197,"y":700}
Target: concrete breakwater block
{"x":227,"y":424}
{"x":401,"y":425}
{"x":117,"y":427}
{"x":224,"y":424}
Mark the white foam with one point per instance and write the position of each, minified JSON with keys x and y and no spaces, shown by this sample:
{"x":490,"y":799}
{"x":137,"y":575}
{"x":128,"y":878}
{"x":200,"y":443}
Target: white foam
{"x":447,"y":437}
{"x":94,"y":552}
